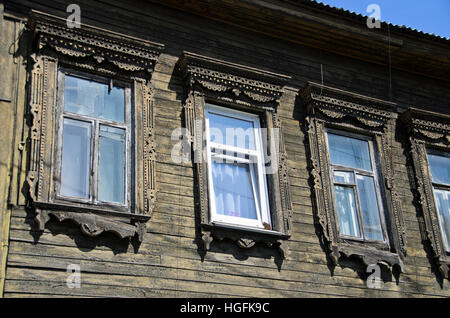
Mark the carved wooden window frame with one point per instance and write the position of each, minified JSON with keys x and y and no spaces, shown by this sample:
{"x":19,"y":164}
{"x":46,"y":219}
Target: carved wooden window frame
{"x":250,"y":90}
{"x":98,"y":52}
{"x":336,"y":109}
{"x":428,"y":131}
{"x":374,"y":173}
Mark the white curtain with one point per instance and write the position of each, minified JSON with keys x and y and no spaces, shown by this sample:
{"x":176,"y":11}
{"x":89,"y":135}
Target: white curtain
{"x":443,"y":207}
{"x":348,"y":220}
{"x":233,"y":190}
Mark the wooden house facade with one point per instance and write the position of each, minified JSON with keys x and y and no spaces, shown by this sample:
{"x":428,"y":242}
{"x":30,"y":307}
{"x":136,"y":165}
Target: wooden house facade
{"x":110,"y":179}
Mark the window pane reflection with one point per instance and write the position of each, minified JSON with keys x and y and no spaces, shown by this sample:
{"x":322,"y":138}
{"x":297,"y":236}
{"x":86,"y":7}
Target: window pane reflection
{"x":440,"y":169}
{"x":346,"y":206}
{"x":89,"y":98}
{"x":111,"y":177}
{"x":231,"y":131}
{"x":369,"y":208}
{"x":349,"y":152}
{"x":76,"y":154}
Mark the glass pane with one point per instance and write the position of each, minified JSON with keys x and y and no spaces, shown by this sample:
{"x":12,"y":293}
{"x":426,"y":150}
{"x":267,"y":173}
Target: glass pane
{"x":111,"y":162}
{"x":94,"y":99}
{"x":344,"y":177}
{"x":369,"y":208}
{"x":231,"y":131}
{"x":346,"y":206}
{"x":440,"y":168}
{"x":76,"y":153}
{"x":443,"y":207}
{"x":233,"y":190}
{"x":349,"y":152}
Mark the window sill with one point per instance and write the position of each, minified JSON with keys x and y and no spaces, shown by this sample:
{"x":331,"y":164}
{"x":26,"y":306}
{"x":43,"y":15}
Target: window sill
{"x":104,"y":210}
{"x":247,"y":229}
{"x":377,"y":245}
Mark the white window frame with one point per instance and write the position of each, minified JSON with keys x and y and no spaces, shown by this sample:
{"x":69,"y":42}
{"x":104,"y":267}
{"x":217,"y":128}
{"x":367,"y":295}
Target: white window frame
{"x":439,"y":187}
{"x":258,"y":178}
{"x":369,"y":173}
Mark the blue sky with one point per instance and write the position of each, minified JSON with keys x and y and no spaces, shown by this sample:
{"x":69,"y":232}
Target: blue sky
{"x":430,"y":16}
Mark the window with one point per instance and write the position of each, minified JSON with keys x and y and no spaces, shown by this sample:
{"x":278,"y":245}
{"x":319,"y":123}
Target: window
{"x":92,"y":148}
{"x":356,"y":203}
{"x":240,"y":162}
{"x":355,"y":186}
{"x":440,"y":177}
{"x":238,"y":192}
{"x":429,"y":141}
{"x":94,"y":132}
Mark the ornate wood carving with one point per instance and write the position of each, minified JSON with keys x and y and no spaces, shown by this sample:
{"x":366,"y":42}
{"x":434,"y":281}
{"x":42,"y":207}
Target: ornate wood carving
{"x":93,"y":44}
{"x":146,"y":120}
{"x":90,"y":224}
{"x":119,"y":57}
{"x":244,"y":238}
{"x":245,"y":85}
{"x":330,"y":107}
{"x":252,"y":90}
{"x":428,"y":130}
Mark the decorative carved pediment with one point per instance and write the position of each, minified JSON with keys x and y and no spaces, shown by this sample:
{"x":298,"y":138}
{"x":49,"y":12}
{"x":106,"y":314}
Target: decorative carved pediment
{"x":97,"y":45}
{"x":334,"y":103}
{"x":331,"y":107}
{"x":428,"y":130}
{"x":251,"y":90}
{"x":115,"y":56}
{"x":427,"y":126}
{"x":258,"y":86}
